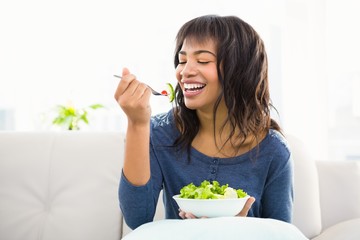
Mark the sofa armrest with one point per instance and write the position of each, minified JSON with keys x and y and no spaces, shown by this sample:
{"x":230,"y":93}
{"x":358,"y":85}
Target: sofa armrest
{"x":339,"y":191}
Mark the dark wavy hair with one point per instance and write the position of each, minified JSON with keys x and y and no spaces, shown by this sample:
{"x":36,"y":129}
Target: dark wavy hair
{"x":242,"y":68}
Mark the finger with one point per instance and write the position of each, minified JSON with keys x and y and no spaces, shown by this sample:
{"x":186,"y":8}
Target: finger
{"x":140,"y":90}
{"x":124,"y":83}
{"x":190,"y":216}
{"x":181,"y":214}
{"x":125,"y":71}
{"x":244,"y":212}
{"x":132,"y":86}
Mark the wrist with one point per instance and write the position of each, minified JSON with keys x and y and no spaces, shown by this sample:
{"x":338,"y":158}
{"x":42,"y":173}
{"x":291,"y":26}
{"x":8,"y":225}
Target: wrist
{"x":138,"y":126}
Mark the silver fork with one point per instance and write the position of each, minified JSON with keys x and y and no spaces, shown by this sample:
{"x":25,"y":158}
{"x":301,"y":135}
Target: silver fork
{"x":152,"y":90}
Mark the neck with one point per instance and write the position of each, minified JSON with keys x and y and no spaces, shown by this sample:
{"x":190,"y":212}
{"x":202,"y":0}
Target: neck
{"x":209,"y":121}
{"x":219,"y":140}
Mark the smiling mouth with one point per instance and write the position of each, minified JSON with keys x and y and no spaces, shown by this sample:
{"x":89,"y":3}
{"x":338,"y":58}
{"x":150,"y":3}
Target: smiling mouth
{"x":193,"y":87}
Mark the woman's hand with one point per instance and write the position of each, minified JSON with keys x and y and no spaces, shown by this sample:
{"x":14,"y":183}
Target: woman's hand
{"x":243,"y":213}
{"x":186,"y":215}
{"x":133,"y":97}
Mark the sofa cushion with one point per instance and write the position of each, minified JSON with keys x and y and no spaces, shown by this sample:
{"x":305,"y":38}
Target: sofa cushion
{"x":217,"y":228}
{"x":348,"y":230}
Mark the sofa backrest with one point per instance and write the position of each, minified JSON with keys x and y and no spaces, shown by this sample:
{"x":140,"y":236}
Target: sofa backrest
{"x":307,"y":211}
{"x":63,"y":185}
{"x":60,"y":185}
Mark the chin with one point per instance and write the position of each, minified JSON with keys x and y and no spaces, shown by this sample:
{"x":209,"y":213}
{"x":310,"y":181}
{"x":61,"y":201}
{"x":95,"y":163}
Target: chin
{"x":196,"y":105}
{"x":191,"y":105}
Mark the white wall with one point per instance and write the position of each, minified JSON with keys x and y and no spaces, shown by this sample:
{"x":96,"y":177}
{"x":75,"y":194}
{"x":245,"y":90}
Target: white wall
{"x":55,"y":51}
{"x":304,"y":76}
{"x":343,"y":78}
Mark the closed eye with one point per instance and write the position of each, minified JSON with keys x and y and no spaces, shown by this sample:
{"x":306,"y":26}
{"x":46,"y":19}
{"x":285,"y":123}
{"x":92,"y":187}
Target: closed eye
{"x":200,"y":62}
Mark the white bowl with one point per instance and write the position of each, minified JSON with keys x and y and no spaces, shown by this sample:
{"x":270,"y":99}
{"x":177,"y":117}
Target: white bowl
{"x":211,"y":207}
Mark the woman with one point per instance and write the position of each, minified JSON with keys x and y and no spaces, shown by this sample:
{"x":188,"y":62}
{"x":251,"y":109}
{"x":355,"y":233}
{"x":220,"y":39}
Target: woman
{"x":219,"y":129}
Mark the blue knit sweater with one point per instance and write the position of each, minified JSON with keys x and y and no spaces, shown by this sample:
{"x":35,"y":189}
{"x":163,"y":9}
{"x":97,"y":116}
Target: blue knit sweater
{"x":265,"y":173}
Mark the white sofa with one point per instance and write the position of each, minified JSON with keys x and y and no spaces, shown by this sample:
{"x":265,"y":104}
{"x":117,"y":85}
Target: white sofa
{"x":64,"y":185}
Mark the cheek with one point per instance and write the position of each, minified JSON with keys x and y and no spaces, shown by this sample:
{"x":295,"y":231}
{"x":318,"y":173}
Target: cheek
{"x":177,"y":73}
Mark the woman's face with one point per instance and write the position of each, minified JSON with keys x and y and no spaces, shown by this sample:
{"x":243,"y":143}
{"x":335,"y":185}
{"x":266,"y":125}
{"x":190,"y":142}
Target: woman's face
{"x":197,"y":74}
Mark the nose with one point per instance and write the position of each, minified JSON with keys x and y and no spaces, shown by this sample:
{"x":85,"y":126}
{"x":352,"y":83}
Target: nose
{"x":188,"y":70}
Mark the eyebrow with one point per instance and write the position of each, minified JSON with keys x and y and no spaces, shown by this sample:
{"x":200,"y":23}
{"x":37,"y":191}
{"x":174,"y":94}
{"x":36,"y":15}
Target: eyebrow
{"x":198,"y":52}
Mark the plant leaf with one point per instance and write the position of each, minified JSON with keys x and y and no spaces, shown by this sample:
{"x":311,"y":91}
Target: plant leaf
{"x":84,"y":117}
{"x":96,"y":106}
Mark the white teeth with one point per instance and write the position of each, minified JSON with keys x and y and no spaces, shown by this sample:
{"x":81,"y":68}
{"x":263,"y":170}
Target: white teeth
{"x":193,"y":86}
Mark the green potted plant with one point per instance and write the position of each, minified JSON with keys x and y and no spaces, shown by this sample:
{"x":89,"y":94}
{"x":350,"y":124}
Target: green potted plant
{"x":70,"y":117}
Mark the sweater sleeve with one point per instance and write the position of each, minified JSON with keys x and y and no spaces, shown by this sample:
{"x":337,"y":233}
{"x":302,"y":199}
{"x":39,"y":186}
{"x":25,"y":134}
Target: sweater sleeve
{"x":138,"y":203}
{"x":277,"y":200}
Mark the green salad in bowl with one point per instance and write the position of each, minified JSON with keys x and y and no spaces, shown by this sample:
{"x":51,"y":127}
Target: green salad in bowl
{"x":212,"y":190}
{"x":211,"y":199}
